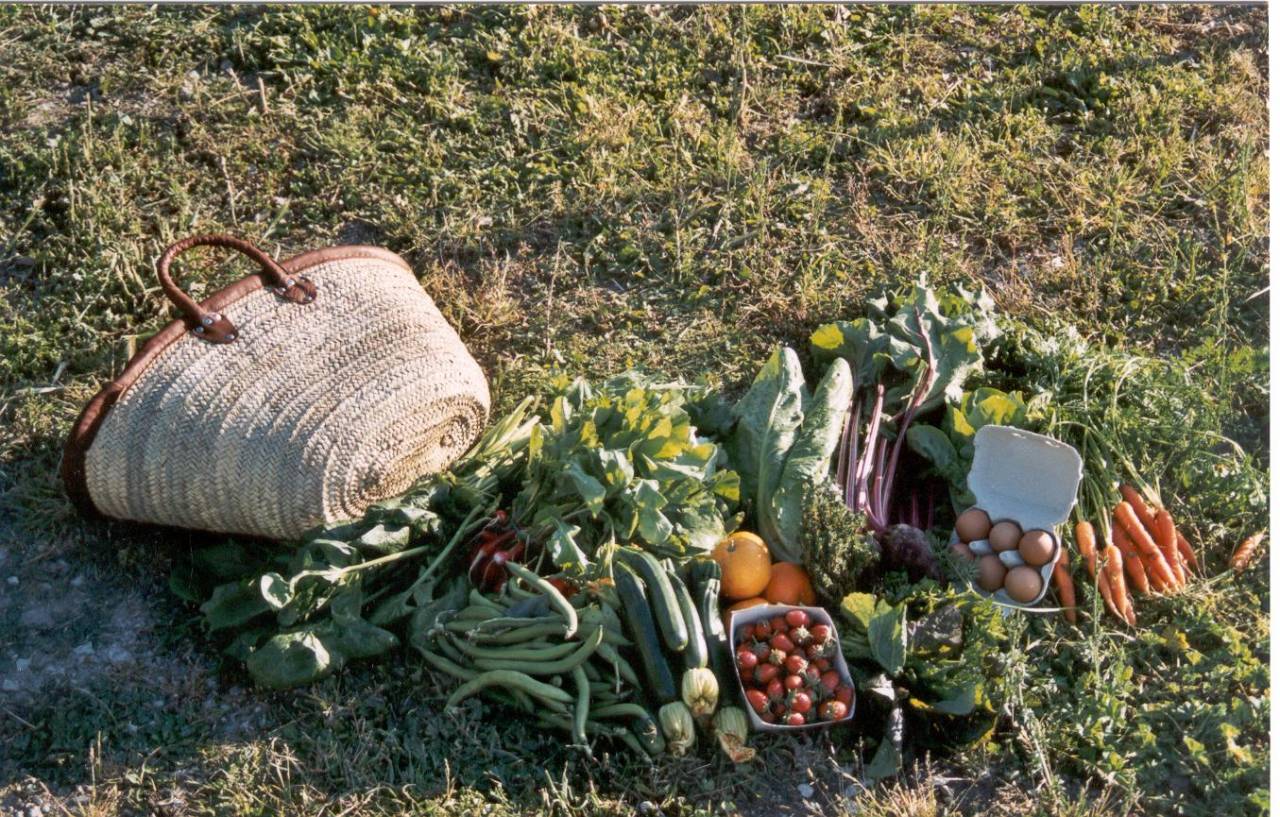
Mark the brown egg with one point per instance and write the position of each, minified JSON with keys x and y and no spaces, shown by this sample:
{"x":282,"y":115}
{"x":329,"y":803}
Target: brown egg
{"x":962,"y":550}
{"x":1036,"y":547}
{"x":1023,"y":584}
{"x":973,"y":524}
{"x":1004,"y":535}
{"x":990,"y":573}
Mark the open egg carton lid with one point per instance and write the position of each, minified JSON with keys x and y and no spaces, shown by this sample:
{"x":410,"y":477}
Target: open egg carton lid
{"x":1025,"y":476}
{"x":1029,"y":478}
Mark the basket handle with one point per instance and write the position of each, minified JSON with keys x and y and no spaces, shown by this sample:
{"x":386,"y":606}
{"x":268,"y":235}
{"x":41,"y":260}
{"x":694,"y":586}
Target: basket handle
{"x":214,"y":327}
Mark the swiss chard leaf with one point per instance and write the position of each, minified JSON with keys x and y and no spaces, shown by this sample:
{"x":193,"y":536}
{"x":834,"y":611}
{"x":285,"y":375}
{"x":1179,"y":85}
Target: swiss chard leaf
{"x":809,"y":460}
{"x":769,"y":416}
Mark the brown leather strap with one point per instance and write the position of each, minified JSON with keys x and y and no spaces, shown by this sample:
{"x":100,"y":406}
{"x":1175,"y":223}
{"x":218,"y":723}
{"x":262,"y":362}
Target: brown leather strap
{"x":212,"y":326}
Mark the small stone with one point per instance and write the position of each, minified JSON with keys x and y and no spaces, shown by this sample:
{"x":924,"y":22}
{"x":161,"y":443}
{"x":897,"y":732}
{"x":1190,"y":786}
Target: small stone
{"x":38,"y":618}
{"x":35,"y":811}
{"x":22,"y":664}
{"x":12,"y":581}
{"x":806,"y":791}
{"x":117,"y":654}
{"x":84,"y":650}
{"x":77,"y":581}
{"x":9,"y":685}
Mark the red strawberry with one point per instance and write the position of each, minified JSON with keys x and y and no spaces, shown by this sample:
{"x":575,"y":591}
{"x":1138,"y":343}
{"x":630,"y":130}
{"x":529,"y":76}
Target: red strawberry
{"x":747,"y":659}
{"x":793,"y":682}
{"x":757,"y":700}
{"x":844,"y":694}
{"x":766,"y":673}
{"x":796,"y":664}
{"x":778,"y":624}
{"x":800,"y":635}
{"x":795,"y":719}
{"x":801,"y":702}
{"x":830,"y":680}
{"x":832,"y":711}
{"x":781,"y":642}
{"x":774,"y":690}
{"x":797,"y":618}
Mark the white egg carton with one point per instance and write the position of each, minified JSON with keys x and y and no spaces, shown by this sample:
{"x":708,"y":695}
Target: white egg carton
{"x":1028,"y":478}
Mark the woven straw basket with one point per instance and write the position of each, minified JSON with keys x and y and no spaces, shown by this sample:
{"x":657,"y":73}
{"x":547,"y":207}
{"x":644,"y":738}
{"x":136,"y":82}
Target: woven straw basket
{"x":295,"y":397}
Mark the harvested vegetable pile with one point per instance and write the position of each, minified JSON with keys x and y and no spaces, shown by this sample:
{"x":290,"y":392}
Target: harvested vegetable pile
{"x":581,"y":564}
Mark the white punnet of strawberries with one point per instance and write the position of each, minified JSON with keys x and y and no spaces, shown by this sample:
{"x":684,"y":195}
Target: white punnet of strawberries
{"x":787,"y":670}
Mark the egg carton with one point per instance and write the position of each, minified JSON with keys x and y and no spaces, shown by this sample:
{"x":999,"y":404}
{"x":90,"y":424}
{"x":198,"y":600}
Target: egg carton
{"x":1030,"y":479}
{"x":817,"y":615}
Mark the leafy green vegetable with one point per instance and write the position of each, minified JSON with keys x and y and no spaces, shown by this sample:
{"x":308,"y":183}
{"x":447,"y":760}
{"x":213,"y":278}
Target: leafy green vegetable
{"x":783,"y":443}
{"x":838,"y":551}
{"x":768,"y":417}
{"x":924,"y":665}
{"x":622,"y":462}
{"x":808,"y":463}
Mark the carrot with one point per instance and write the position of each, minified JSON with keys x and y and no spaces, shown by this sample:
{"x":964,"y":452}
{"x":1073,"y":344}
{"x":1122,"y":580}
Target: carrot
{"x":1245,"y":550}
{"x":1135,"y":562}
{"x":1184,"y":550}
{"x":1087,"y":544}
{"x":1088,"y":549}
{"x":1136,"y":571}
{"x":1140,"y":507}
{"x":1115,"y":579}
{"x":1066,"y":588}
{"x":1127,"y":519}
{"x":1167,"y":539}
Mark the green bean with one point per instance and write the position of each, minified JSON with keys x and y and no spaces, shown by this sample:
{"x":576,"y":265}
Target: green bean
{"x":517,"y":592}
{"x":475,"y":612}
{"x":446,"y":666}
{"x":623,"y":669}
{"x":479,"y":599}
{"x":559,"y":666}
{"x":593,"y":673}
{"x":633,"y":743}
{"x":521,"y":635}
{"x":621,"y":710}
{"x":529,"y":653}
{"x":593,"y":728}
{"x":612,"y":634}
{"x":507,"y":679}
{"x":583,"y":707}
{"x":503,"y":622}
{"x":451,"y":652}
{"x":557,"y":599}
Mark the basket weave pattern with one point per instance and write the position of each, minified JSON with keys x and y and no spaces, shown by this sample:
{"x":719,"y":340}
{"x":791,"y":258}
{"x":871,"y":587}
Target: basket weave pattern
{"x":312,"y":414}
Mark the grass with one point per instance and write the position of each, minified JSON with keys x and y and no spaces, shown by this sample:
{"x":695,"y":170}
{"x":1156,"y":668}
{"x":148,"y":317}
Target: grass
{"x":588,"y":189}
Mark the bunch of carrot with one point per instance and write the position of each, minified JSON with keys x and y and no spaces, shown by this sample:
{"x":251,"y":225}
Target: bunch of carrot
{"x":1145,"y":546}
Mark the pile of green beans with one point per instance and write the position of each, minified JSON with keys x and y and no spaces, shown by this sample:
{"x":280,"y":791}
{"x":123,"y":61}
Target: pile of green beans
{"x":558,"y":660}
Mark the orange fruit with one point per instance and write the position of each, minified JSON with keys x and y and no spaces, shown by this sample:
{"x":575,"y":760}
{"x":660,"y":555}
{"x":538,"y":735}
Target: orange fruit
{"x":742,"y":605}
{"x":744,"y":565}
{"x":789,"y":584}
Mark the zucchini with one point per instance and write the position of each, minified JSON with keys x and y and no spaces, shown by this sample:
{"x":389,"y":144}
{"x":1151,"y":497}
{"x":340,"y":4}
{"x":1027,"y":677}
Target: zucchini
{"x":695,"y":652}
{"x":662,"y":597}
{"x":704,"y":577}
{"x":635,"y":608}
